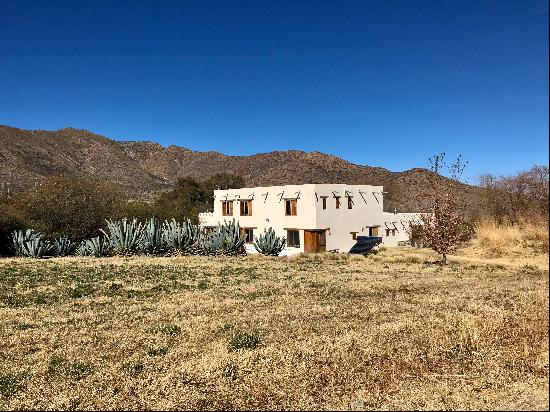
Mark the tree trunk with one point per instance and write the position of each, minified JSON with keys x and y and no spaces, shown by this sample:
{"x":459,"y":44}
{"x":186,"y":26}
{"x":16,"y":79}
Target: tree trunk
{"x":443,"y":258}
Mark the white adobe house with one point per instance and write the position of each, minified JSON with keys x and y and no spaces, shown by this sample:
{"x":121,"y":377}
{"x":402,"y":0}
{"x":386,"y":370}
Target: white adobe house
{"x":312,"y":217}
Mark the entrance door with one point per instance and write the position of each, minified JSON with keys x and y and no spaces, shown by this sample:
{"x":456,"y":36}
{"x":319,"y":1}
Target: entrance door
{"x":314,"y":241}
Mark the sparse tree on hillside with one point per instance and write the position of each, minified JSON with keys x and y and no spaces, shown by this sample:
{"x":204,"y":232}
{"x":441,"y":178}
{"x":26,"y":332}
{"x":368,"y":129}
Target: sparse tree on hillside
{"x":69,"y":206}
{"x":444,"y":228}
{"x":523,"y":196}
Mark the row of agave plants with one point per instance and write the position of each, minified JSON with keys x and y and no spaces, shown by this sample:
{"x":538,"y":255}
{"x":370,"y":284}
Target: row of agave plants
{"x":129,"y":237}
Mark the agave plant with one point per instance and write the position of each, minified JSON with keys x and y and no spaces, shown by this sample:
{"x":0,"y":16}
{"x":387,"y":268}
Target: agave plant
{"x":63,"y":246}
{"x":152,"y":240}
{"x":98,"y":246}
{"x":224,"y":239}
{"x":37,"y":247}
{"x":20,"y":237}
{"x":180,"y":236}
{"x":269,"y":244}
{"x":30,"y":243}
{"x":124,"y":236}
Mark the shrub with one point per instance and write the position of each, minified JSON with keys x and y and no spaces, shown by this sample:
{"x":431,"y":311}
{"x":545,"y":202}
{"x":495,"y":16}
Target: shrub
{"x":224,"y":239}
{"x":124,"y":236}
{"x":63,"y":246}
{"x":270,"y":244}
{"x":98,"y":246}
{"x":180,"y":236}
{"x":152,"y":240}
{"x":244,"y":340}
{"x":68,"y":206}
{"x":31,"y":244}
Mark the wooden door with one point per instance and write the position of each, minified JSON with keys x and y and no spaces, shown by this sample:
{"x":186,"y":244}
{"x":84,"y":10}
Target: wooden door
{"x":311,"y":241}
{"x":314,"y":241}
{"x":322,"y":241}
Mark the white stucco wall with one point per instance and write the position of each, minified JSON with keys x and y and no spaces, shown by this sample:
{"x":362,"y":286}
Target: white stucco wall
{"x":341,"y":222}
{"x":269,"y":211}
{"x":398,"y":223}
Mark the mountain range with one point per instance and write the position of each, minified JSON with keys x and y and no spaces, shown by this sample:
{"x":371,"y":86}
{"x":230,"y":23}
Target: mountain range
{"x":144,"y":168}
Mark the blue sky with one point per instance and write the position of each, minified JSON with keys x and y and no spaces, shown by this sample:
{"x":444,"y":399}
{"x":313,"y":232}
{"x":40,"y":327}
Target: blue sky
{"x":382,"y":83}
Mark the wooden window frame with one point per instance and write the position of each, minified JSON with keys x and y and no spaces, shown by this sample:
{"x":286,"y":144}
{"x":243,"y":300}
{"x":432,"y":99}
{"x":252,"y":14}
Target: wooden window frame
{"x":248,"y":239}
{"x":288,"y":237}
{"x":353,"y":235}
{"x":227,"y":208}
{"x":324,"y":201}
{"x":289,"y":203}
{"x":245,"y":204}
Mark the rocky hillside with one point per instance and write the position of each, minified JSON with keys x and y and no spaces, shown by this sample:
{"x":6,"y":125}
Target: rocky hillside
{"x":146,"y":168}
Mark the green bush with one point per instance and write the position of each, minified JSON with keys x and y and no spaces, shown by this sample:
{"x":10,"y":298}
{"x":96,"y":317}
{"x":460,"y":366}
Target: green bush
{"x":68,"y":206}
{"x":270,"y":244}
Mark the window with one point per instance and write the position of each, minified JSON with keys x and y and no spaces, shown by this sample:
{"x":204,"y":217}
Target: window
{"x":337,"y":202}
{"x":324,"y":198}
{"x":353,"y":235}
{"x":322,"y":238}
{"x":387,"y":232}
{"x":248,"y":234}
{"x":290,"y":207}
{"x":350,"y":202}
{"x":227,"y":208}
{"x":293,"y":238}
{"x":246,"y":207}
{"x":208,"y":229}
{"x":373,"y":231}
{"x":393,"y":232}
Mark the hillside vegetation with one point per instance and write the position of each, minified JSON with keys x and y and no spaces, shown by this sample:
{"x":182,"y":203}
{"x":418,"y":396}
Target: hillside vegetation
{"x":143,"y":169}
{"x":390,"y":331}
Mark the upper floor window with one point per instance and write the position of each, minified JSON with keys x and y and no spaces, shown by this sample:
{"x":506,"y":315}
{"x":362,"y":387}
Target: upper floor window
{"x":290,"y":207}
{"x":246,"y":207}
{"x":227,"y":208}
{"x":337,"y":202}
{"x":324,"y":199}
{"x":350,"y":202}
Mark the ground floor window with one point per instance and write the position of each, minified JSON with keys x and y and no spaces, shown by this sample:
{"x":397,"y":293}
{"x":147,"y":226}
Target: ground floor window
{"x":353,"y":235}
{"x":293,"y":238}
{"x":373,"y":231}
{"x":248,"y":234}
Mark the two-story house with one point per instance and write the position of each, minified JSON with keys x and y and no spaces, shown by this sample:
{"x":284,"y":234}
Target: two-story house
{"x":312,"y":217}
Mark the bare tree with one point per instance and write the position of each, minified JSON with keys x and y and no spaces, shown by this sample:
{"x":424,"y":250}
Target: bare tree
{"x":523,"y":196}
{"x":444,"y":228}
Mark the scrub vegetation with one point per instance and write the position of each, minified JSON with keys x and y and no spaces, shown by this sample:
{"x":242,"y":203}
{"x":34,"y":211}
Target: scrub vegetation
{"x":391,"y":330}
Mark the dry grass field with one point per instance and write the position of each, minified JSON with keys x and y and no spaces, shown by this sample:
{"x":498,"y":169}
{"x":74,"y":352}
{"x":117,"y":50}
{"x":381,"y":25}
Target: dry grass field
{"x":389,"y":331}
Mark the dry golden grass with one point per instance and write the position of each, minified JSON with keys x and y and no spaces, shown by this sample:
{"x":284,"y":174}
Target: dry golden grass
{"x":389,"y":331}
{"x":527,"y":239}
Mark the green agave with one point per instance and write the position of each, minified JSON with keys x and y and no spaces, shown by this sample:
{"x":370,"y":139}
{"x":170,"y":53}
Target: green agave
{"x":269,"y":244}
{"x":182,"y":237}
{"x":124,"y":236}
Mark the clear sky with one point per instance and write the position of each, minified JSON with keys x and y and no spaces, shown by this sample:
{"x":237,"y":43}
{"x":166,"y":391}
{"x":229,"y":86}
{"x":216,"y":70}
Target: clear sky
{"x":382,"y":83}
